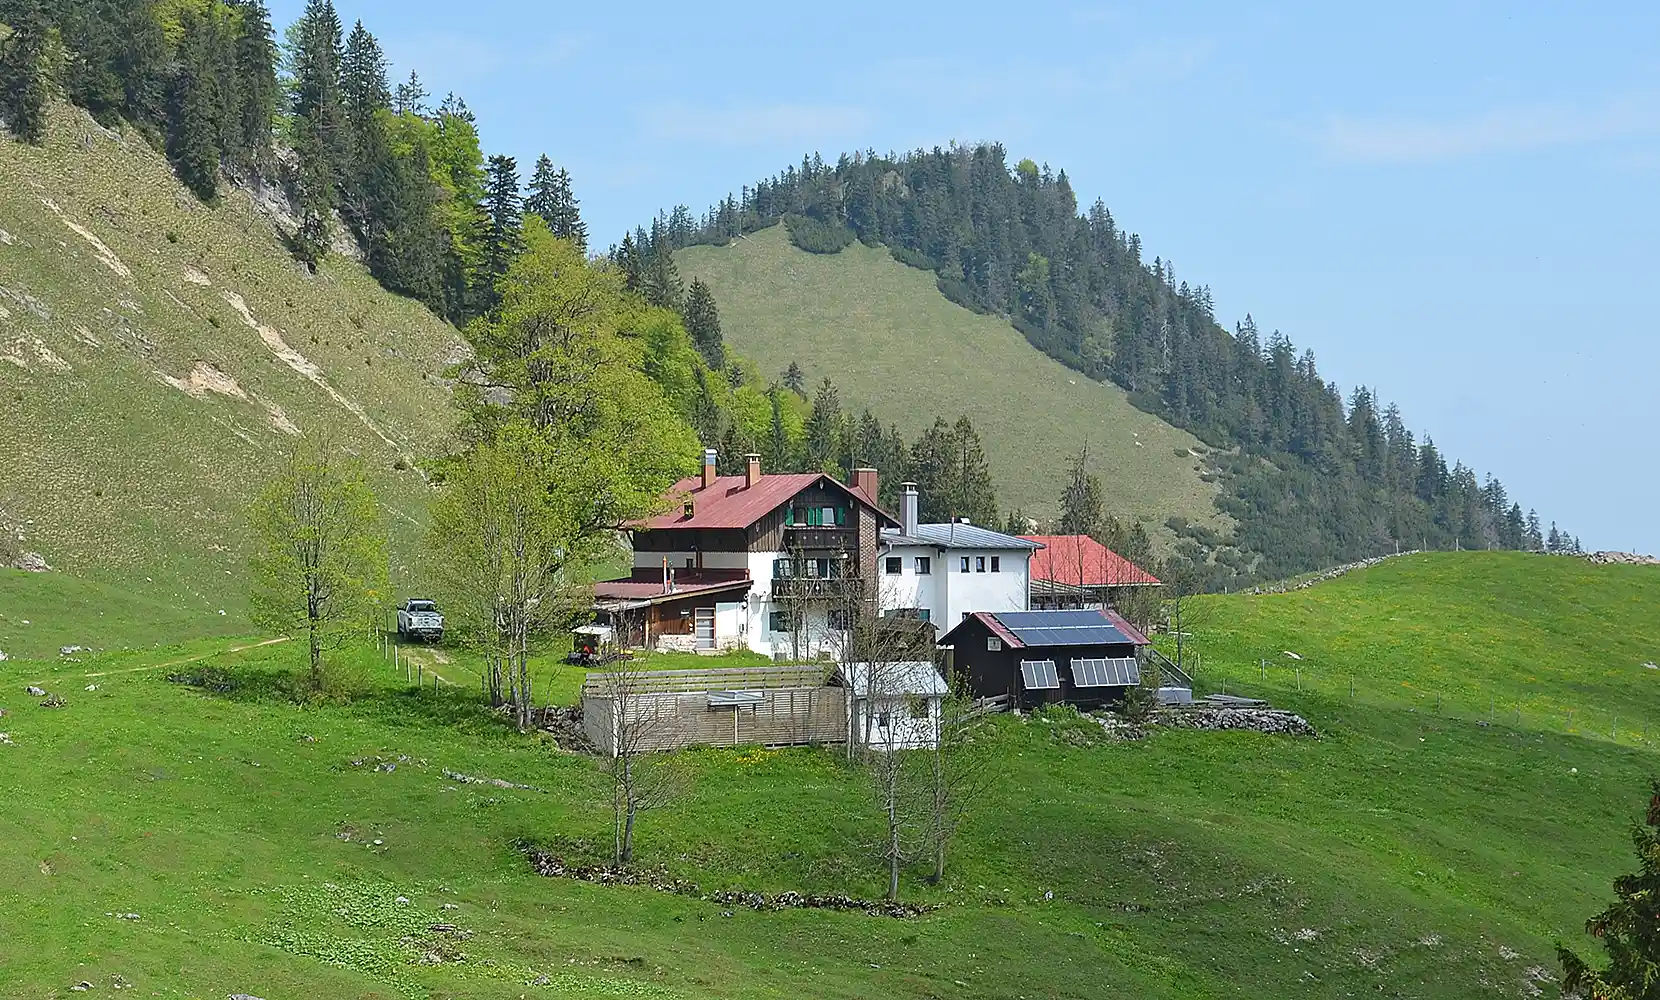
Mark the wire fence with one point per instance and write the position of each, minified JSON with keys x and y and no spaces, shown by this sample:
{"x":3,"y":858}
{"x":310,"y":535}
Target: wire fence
{"x":1282,"y":682}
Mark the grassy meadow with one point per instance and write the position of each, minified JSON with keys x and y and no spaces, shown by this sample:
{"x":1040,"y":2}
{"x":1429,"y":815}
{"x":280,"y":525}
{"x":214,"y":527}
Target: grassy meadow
{"x":265,"y":847}
{"x":891,"y":342}
{"x":156,"y":354}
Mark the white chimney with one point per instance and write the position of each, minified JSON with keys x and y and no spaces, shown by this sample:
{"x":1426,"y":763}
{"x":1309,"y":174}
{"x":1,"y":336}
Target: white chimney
{"x":907,"y":509}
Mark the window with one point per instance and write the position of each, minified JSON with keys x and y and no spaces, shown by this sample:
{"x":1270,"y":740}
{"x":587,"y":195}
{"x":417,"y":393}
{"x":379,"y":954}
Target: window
{"x":994,"y":644}
{"x":882,"y":720}
{"x":997,"y":564}
{"x":830,"y":516}
{"x":893,"y":565}
{"x":965,"y":564}
{"x":918,"y":707}
{"x":691,"y":563}
{"x":979,"y":564}
{"x":781,"y":569}
{"x":839,"y":619}
{"x":778,"y":621}
{"x":924,"y":566}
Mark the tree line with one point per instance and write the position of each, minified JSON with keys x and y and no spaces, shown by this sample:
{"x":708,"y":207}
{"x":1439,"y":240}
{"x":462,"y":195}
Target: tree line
{"x":1311,"y":478}
{"x":208,"y":83}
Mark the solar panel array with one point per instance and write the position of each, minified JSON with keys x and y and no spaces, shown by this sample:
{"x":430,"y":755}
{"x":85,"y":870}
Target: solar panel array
{"x":1061,"y":628}
{"x":1121,"y":671}
{"x":1040,"y":675}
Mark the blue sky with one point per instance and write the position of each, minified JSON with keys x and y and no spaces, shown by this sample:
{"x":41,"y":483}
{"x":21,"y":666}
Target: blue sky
{"x":1456,"y":203}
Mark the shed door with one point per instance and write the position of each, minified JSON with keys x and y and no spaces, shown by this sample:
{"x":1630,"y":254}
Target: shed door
{"x":705,"y":627}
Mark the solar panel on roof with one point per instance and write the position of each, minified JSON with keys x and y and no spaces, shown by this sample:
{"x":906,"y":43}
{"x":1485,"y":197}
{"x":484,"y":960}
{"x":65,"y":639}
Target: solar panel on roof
{"x":1039,"y":675}
{"x":1097,"y":633}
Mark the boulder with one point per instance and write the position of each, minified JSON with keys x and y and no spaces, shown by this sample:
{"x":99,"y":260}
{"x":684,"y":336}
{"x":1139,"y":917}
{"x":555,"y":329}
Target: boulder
{"x":35,"y":692}
{"x":72,"y":650}
{"x":31,"y":562}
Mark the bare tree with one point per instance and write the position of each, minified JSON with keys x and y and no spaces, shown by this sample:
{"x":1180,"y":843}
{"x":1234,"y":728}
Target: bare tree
{"x":872,"y":651}
{"x":642,"y":776}
{"x":957,"y":771}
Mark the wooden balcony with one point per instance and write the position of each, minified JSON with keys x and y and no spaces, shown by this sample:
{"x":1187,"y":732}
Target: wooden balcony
{"x":814,"y":588}
{"x":802,"y":537}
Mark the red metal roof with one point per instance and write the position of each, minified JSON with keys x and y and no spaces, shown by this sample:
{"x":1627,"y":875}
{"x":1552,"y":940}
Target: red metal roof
{"x":730,"y":504}
{"x":1134,"y":634}
{"x":1081,"y":561}
{"x":990,"y":621}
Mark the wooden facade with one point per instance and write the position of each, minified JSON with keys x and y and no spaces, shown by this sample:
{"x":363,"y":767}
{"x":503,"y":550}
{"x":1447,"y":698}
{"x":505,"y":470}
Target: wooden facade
{"x":759,"y":706}
{"x":992,"y":668}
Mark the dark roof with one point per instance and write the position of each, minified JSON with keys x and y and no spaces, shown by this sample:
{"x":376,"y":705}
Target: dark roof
{"x":729,"y":503}
{"x":959,"y":536}
{"x":1029,"y":629}
{"x":1079,"y":560}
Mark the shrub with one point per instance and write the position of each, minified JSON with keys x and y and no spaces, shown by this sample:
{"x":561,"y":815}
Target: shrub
{"x":815,"y":236}
{"x":1141,"y":700}
{"x":960,"y":293}
{"x":912,"y":258}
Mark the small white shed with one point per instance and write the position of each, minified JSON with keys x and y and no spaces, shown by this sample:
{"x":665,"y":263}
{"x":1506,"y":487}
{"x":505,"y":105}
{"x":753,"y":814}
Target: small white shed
{"x":895,"y":706}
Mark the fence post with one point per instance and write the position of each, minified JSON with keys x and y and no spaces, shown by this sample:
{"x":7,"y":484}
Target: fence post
{"x":1437,"y":703}
{"x":1351,"y":687}
{"x":1265,"y":671}
{"x":1299,"y":680}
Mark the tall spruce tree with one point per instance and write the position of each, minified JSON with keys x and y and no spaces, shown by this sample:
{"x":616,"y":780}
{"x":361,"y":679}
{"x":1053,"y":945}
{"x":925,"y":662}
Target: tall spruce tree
{"x":703,"y":323}
{"x":364,"y":93}
{"x":1628,"y":929}
{"x":823,"y":423}
{"x":1083,"y":504}
{"x":258,"y":93}
{"x":198,"y":106}
{"x":320,"y":131}
{"x":23,"y":85}
{"x":977,"y":498}
{"x":504,"y":229}
{"x":411,"y":97}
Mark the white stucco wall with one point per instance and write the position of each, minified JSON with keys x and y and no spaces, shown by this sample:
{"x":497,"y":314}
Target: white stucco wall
{"x":902,"y":732}
{"x":947,"y":592}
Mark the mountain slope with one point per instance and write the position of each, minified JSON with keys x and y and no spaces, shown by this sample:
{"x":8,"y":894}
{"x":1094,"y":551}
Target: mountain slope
{"x":156,"y":355}
{"x":891,"y":342}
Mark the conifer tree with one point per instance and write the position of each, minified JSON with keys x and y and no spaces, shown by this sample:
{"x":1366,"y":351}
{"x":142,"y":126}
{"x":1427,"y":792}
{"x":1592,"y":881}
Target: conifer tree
{"x":543,"y":192}
{"x":660,"y":281}
{"x":936,"y":469}
{"x":411,"y":97}
{"x":977,"y":499}
{"x":257,"y":92}
{"x":1628,"y":929}
{"x":23,"y":87}
{"x":703,"y":323}
{"x":503,"y":229}
{"x":320,"y":135}
{"x":795,"y":380}
{"x":196,"y":107}
{"x":628,"y":262}
{"x":1082,"y":504}
{"x":822,"y":425}
{"x":780,"y":455}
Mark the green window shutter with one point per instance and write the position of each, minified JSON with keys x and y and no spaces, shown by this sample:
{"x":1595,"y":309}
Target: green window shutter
{"x":789,"y":516}
{"x":841,"y":516}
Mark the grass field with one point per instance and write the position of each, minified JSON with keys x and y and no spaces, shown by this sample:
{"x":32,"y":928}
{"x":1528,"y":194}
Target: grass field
{"x":891,"y":342}
{"x":155,"y":354}
{"x":1402,"y":854}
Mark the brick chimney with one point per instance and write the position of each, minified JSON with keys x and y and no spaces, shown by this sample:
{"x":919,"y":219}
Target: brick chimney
{"x":865,"y":479}
{"x":708,"y":467}
{"x":907,"y":508}
{"x":752,"y":470}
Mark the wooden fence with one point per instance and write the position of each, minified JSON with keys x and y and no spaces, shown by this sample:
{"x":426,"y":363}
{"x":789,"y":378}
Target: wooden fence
{"x":740,"y":706}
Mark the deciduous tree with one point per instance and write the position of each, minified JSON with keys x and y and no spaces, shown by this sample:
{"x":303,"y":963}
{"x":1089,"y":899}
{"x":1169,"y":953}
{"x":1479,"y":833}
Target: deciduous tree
{"x":319,"y":559}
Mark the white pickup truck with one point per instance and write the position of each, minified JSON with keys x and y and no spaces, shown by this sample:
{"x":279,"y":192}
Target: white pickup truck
{"x":419,"y":619}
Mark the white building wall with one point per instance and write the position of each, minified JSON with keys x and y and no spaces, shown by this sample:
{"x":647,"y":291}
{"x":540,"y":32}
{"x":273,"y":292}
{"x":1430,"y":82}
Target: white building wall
{"x":902,"y":731}
{"x":947,"y":592}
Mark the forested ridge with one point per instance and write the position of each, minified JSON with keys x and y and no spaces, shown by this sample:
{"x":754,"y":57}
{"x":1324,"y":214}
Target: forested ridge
{"x":1311,"y":478}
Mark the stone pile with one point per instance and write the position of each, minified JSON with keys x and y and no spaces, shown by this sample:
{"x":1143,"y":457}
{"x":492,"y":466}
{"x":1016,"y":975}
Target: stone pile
{"x":658,"y":878}
{"x":564,"y":724}
{"x":1621,"y":559}
{"x":1262,"y":720}
{"x":1323,"y":575}
{"x":467,"y":779}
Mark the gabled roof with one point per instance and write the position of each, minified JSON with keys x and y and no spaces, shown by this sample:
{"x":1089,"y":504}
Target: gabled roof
{"x":1038,"y":629}
{"x":1081,"y":561}
{"x":959,"y":536}
{"x":729,"y":503}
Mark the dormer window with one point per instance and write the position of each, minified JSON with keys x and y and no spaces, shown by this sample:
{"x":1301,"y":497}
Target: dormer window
{"x":690,"y":507}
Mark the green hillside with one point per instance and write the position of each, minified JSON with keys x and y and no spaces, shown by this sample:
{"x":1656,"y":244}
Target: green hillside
{"x":155,"y":355}
{"x":891,"y":342}
{"x":256,"y":848}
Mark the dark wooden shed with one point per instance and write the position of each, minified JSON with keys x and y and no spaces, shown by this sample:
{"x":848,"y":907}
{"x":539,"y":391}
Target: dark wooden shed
{"x":1083,"y":658}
